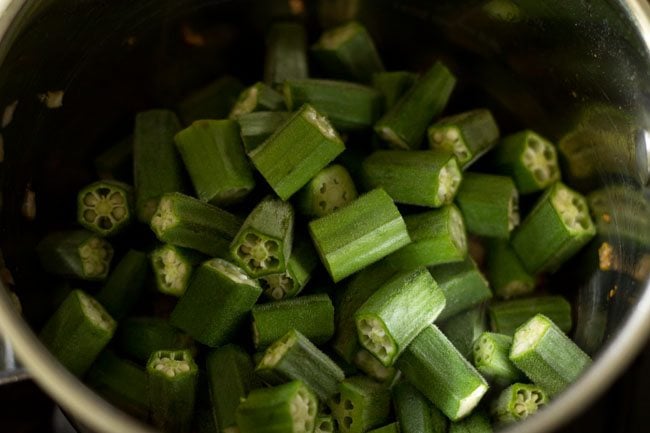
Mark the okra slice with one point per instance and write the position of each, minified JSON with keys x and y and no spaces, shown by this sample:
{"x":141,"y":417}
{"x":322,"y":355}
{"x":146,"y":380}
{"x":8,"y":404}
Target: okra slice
{"x":78,"y":331}
{"x":214,"y":146}
{"x":263,"y":244}
{"x":505,"y":272}
{"x":404,"y":125}
{"x":423,"y":178}
{"x":312,"y":316}
{"x":464,"y":328}
{"x":518,"y":402}
{"x":124,"y":285}
{"x":231,"y":378}
{"x":366,"y":362}
{"x":105,"y":207}
{"x":348,"y":52}
{"x":255,"y":128}
{"x":331,"y":189}
{"x":187,"y":222}
{"x":463,"y":285}
{"x":359,"y":405}
{"x":172,"y":268}
{"x":294,"y":357}
{"x":417,"y":298}
{"x":76,"y":254}
{"x":286,"y":53}
{"x":300,"y":267}
{"x":116,"y":162}
{"x":455,"y":389}
{"x":290,"y":408}
{"x":491,"y":353}
{"x":530,"y":159}
{"x":157,"y":169}
{"x":415,"y":413}
{"x":546,"y":355}
{"x":507,"y":316}
{"x":139,"y":337}
{"x":475,"y":423}
{"x":173,"y":376}
{"x":362,"y":233}
{"x":393,"y":85}
{"x":489,"y":203}
{"x":467,"y":135}
{"x":258,"y":97}
{"x":324,"y":424}
{"x":388,"y":428}
{"x":213,"y":101}
{"x":438,"y":237}
{"x":297,"y":151}
{"x":558,"y":227}
{"x":216,"y":303}
{"x":348,"y":106}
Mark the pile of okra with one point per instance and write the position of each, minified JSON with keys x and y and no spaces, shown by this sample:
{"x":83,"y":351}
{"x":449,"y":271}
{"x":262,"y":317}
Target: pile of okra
{"x":319,"y":289}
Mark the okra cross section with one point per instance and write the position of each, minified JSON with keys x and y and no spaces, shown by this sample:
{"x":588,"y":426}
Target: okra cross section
{"x":363,"y":232}
{"x":105,"y":207}
{"x":518,"y":402}
{"x":360,"y":404}
{"x":491,"y":353}
{"x":397,"y":312}
{"x":331,"y":189}
{"x":297,"y":151}
{"x":258,"y":97}
{"x":172,"y":267}
{"x":299,"y":270}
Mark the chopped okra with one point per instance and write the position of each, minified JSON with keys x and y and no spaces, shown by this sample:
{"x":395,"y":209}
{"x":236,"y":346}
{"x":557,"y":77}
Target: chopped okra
{"x":105,"y":207}
{"x":518,"y":402}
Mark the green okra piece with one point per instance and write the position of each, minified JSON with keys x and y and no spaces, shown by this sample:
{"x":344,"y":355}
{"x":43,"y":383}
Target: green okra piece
{"x":231,"y":378}
{"x":404,"y":125}
{"x":393,"y":85}
{"x":360,"y":404}
{"x":505,"y":272}
{"x":172,"y":268}
{"x":437,"y":236}
{"x":397,"y":312}
{"x":116,"y":162}
{"x":415,"y":413}
{"x":476,"y":423}
{"x":210,"y":147}
{"x":300,"y":268}
{"x":124,"y":285}
{"x":294,"y":357}
{"x":348,"y":106}
{"x":530,"y":159}
{"x":518,"y":402}
{"x":312,"y":316}
{"x":423,"y":178}
{"x":216,"y":303}
{"x":255,"y":128}
{"x":324,"y":424}
{"x":213,"y":101}
{"x":297,"y":151}
{"x":172,"y":377}
{"x":546,"y":355}
{"x":139,"y":337}
{"x":121,"y":382}
{"x":187,"y":222}
{"x":558,"y":227}
{"x":76,"y":254}
{"x":507,"y":316}
{"x":464,"y":328}
{"x":78,"y":331}
{"x":467,"y":135}
{"x":287,"y":408}
{"x":331,"y":189}
{"x":258,"y":97}
{"x":371,"y":366}
{"x":490,"y":357}
{"x":463,"y":285}
{"x":264,"y":241}
{"x":157,"y":169}
{"x":455,"y":389}
{"x":388,"y":428}
{"x":489,"y":203}
{"x":286,"y":53}
{"x":362,"y":233}
{"x":105,"y":207}
{"x":348,"y":51}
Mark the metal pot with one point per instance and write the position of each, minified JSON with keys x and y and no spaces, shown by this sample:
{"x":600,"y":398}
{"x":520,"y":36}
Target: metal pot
{"x":539,"y":64}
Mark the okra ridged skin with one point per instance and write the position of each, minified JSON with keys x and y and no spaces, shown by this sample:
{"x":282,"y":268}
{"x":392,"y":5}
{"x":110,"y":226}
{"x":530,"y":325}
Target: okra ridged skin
{"x":389,"y":428}
{"x":214,"y":157}
{"x":490,"y":358}
{"x":157,"y":168}
{"x":393,"y":85}
{"x":505,"y":272}
{"x":187,"y":222}
{"x":78,"y":331}
{"x":360,"y":404}
{"x":518,"y":402}
{"x":172,"y":268}
{"x":397,"y":312}
{"x":300,"y":268}
{"x":464,"y":328}
{"x":489,"y":203}
{"x":475,"y":423}
{"x":300,"y":148}
{"x":428,"y":178}
{"x":255,"y":128}
{"x":258,"y":97}
{"x":331,"y":189}
{"x":362,"y":233}
{"x":507,"y":316}
{"x":547,"y":356}
{"x":216,"y":302}
{"x":348,"y":106}
{"x":404,"y":126}
{"x":415,"y":413}
{"x":124,"y":285}
{"x":213,"y":101}
{"x":311,"y":315}
{"x":105,"y":207}
{"x":139,"y":337}
{"x":455,"y":389}
{"x":286,"y":53}
{"x":294,"y":357}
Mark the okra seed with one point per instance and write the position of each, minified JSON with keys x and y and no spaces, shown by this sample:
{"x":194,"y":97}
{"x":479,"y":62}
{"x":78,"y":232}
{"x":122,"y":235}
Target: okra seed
{"x":90,"y":199}
{"x":348,"y":405}
{"x":347,"y":422}
{"x":90,"y":215}
{"x":164,"y":217}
